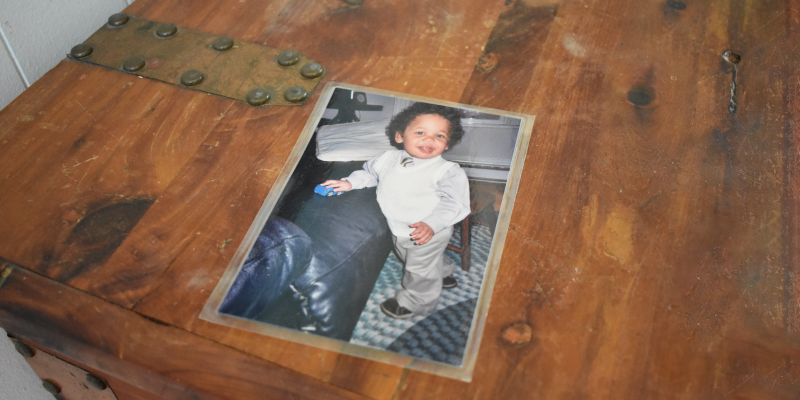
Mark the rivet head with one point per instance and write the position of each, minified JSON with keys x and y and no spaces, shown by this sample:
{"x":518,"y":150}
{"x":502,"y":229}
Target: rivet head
{"x":258,"y":96}
{"x":50,"y":386}
{"x":133,"y":64}
{"x":731,"y":57}
{"x":24,"y":349}
{"x":81,"y":50}
{"x":222,"y":43}
{"x":96,"y":382}
{"x":166,"y":30}
{"x":295,"y":94}
{"x":288,"y":57}
{"x":118,"y":19}
{"x":192,"y":77}
{"x":311,"y":70}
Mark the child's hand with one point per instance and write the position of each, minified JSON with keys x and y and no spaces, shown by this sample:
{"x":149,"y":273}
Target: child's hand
{"x":422,"y":234}
{"x":338,"y":186}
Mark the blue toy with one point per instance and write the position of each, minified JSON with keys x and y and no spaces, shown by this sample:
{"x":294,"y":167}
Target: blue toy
{"x":326,"y":191}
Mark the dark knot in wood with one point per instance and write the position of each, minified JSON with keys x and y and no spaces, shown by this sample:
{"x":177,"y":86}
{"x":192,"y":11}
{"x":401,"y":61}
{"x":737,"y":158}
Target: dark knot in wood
{"x":641,"y":96}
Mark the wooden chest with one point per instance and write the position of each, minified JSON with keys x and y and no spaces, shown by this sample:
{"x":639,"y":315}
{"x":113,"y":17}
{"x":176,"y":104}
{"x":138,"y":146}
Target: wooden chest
{"x":652,"y":250}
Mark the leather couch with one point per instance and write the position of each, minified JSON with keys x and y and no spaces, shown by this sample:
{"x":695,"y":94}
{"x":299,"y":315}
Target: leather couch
{"x":316,"y":271}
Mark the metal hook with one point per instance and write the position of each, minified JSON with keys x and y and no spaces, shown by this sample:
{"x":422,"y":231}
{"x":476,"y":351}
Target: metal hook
{"x":733,"y":59}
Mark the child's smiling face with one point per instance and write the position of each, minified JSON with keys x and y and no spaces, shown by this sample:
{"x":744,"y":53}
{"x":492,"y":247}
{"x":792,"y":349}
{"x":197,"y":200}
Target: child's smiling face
{"x":426,"y":136}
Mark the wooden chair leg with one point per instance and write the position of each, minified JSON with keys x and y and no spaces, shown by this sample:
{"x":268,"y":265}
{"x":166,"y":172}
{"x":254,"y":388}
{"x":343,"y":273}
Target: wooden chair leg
{"x":465,"y":244}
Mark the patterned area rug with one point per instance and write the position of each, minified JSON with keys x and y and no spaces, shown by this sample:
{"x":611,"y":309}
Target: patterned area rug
{"x":441,"y":336}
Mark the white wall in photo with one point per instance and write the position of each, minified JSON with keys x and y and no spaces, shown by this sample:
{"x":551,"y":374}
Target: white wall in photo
{"x":37,"y":34}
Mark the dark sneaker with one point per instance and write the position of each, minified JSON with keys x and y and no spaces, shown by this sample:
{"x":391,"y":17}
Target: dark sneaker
{"x":449,"y":282}
{"x":395,"y":310}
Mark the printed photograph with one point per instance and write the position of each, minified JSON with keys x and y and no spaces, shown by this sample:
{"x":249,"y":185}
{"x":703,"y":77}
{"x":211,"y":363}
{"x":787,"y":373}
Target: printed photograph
{"x":383,"y":231}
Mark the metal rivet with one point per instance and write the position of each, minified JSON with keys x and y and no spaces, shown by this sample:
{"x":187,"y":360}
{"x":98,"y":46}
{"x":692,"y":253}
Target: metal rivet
{"x":133,"y":64}
{"x":731,"y":57}
{"x":288,"y":57}
{"x":118,"y":19}
{"x":81,"y":50}
{"x":192,"y":77}
{"x":166,"y":30}
{"x":24,"y":349}
{"x":676,"y":5}
{"x":222,"y":43}
{"x":295,"y":94}
{"x":640,"y":96}
{"x":311,"y":70}
{"x":96,"y":382}
{"x":50,"y":386}
{"x":257,"y":97}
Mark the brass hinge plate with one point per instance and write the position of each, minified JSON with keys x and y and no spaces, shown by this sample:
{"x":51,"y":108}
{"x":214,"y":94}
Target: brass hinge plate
{"x":256,"y":74}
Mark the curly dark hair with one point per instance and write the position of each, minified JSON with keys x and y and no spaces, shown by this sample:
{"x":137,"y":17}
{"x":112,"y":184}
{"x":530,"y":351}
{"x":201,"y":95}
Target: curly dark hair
{"x":400,"y":121}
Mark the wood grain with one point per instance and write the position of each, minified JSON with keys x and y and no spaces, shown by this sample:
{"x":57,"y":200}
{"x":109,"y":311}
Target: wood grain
{"x":124,"y":345}
{"x":100,"y":139}
{"x":652,"y":250}
{"x":648,"y":232}
{"x":163,"y":258}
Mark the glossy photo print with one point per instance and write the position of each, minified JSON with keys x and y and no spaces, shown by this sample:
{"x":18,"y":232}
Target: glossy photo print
{"x":383,"y":234}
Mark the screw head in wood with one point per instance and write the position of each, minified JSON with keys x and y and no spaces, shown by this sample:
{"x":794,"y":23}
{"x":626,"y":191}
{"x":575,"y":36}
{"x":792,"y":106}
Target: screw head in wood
{"x":133,"y":64}
{"x":311,"y":70}
{"x":96,"y":382}
{"x":118,"y":19}
{"x":258,"y":96}
{"x":81,"y":50}
{"x":23,"y":349}
{"x":295,"y":94}
{"x":166,"y":30}
{"x":192,"y":77}
{"x":222,"y":43}
{"x":730,"y":57}
{"x":288,"y":58}
{"x":50,"y":386}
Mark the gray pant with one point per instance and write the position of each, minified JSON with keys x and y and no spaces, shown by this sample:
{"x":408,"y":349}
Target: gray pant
{"x":424,"y":267}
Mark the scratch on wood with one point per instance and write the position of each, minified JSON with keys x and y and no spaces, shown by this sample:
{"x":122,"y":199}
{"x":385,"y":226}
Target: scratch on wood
{"x":650,"y":200}
{"x":87,"y":111}
{"x":401,"y":385}
{"x":609,"y":254}
{"x":91,"y":159}
{"x":770,"y":21}
{"x":535,"y":270}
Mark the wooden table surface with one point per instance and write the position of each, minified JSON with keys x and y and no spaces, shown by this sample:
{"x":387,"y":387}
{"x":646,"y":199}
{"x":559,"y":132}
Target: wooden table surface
{"x":652,"y":250}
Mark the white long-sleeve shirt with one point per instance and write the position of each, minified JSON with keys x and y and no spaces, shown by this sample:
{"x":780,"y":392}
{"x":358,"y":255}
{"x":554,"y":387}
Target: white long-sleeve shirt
{"x":452,"y":189}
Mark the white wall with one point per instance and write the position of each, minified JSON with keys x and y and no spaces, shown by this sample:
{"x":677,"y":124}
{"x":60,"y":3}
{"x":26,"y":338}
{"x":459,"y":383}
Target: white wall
{"x":17,"y":379}
{"x":37,"y":34}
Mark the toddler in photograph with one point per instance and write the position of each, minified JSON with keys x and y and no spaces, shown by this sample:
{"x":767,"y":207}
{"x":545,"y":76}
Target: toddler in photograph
{"x":422,"y":196}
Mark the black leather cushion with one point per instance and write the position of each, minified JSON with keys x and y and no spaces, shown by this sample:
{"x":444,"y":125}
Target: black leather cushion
{"x":350,"y":242}
{"x":281,"y":253}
